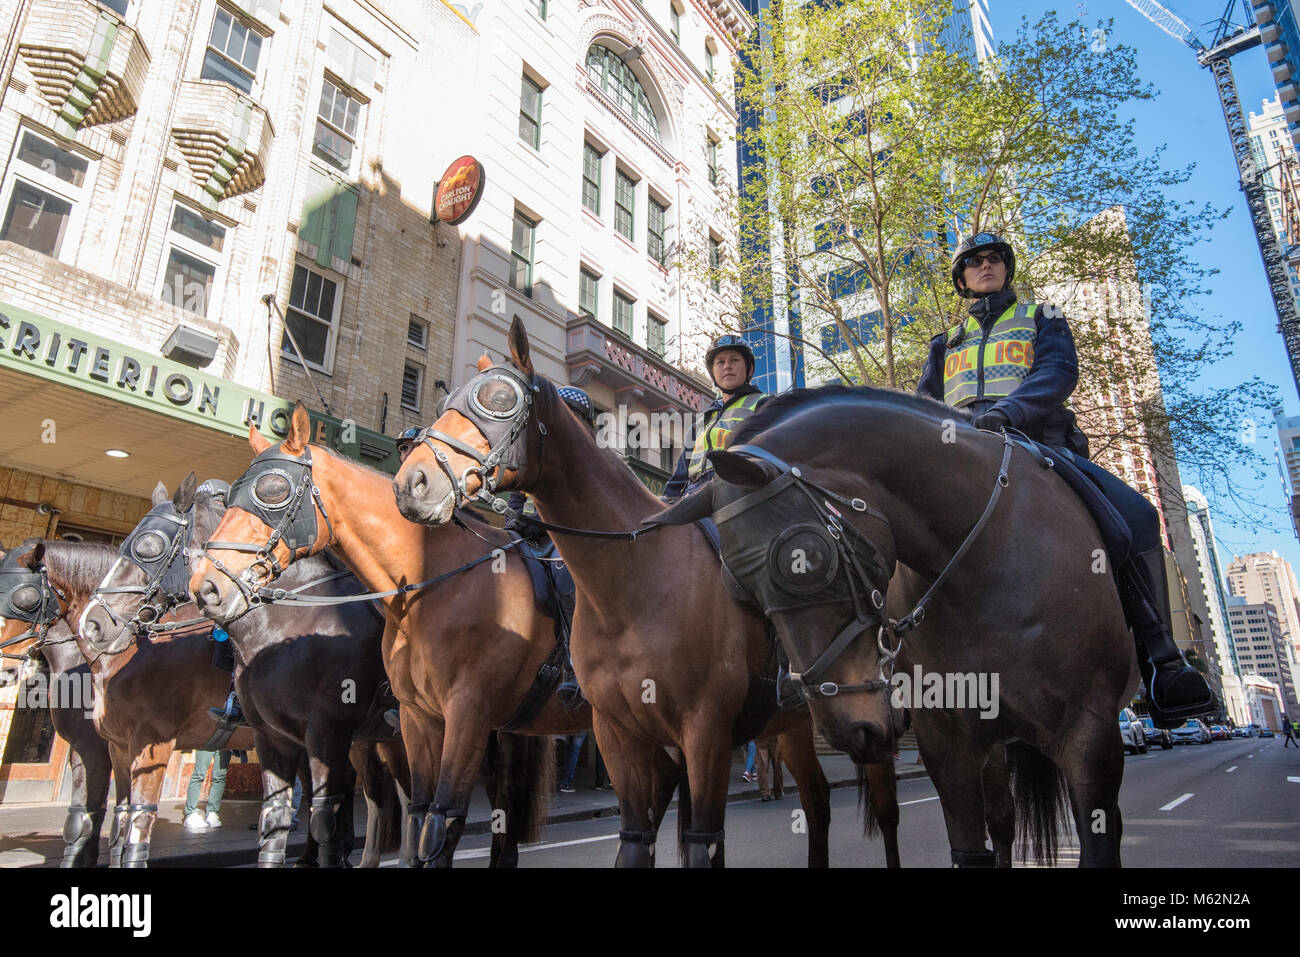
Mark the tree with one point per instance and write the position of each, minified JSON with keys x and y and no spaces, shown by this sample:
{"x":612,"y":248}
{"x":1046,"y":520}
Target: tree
{"x":880,"y":149}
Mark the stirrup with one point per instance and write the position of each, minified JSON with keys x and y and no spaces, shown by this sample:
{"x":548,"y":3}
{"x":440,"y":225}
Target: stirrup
{"x":1168,"y":717}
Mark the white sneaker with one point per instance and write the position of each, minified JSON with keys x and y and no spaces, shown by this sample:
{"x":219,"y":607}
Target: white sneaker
{"x":194,"y":821}
{"x":213,"y":820}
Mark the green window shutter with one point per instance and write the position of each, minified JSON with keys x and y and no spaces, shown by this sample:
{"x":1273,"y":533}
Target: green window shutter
{"x":329,"y":217}
{"x":345,"y":221}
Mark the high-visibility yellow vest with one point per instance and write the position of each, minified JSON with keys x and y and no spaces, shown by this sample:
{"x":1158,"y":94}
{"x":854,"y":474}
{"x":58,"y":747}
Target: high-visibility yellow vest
{"x":975,"y":367}
{"x":717,"y":435}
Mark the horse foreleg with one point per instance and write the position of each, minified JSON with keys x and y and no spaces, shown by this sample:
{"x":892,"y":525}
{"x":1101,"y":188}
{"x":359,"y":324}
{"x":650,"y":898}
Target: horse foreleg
{"x":956,"y":771}
{"x":798,"y":749}
{"x":708,"y":766}
{"x":91,"y":767}
{"x":331,"y":822}
{"x":999,"y":805}
{"x":371,"y":775}
{"x":1093,"y":766}
{"x":147,"y":770}
{"x":279,"y":768}
{"x":422,"y":736}
{"x":121,"y":762}
{"x":462,"y":755}
{"x":631,"y":766}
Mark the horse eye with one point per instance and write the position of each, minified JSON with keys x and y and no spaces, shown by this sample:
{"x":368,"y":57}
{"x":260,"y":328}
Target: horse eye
{"x":496,"y":397}
{"x":272,"y":489}
{"x":148,"y":546}
{"x":26,"y":598}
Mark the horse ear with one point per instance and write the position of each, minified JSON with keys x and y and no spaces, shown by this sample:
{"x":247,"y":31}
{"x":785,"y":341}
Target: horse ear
{"x":737,"y":469}
{"x":484,"y":362}
{"x":257,"y":440}
{"x":299,"y":430}
{"x":184,"y":498}
{"x":160,"y":494}
{"x":518,"y":339}
{"x":697,"y":505}
{"x":32,"y":559}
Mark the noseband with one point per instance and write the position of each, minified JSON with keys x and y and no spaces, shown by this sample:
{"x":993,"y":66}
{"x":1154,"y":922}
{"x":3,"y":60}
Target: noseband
{"x":160,"y":547}
{"x":273,"y":489}
{"x":824,"y":561}
{"x":47,"y":606}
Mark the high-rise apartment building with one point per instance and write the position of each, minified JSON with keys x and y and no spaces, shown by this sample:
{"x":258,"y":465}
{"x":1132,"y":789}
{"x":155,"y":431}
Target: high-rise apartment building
{"x":1210,"y":573}
{"x":1261,"y":647}
{"x":1275,"y":159}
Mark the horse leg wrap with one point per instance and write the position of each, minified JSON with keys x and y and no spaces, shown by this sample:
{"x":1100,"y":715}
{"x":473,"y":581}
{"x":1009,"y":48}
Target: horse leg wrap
{"x":324,"y":827}
{"x":80,"y":828}
{"x":117,"y":836}
{"x":273,"y":832}
{"x":136,"y":855}
{"x":433,"y":836}
{"x":984,"y":858}
{"x":635,"y":849}
{"x":711,"y":842}
{"x":411,"y":838}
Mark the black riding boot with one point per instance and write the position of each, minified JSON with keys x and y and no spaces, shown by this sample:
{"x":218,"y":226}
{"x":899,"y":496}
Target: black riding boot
{"x":1175,"y":690}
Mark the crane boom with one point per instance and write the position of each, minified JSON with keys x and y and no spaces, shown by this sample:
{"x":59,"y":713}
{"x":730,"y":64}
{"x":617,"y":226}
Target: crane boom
{"x":1168,"y":21}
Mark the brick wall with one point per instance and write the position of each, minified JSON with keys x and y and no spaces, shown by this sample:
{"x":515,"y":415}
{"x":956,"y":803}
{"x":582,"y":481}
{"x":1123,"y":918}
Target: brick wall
{"x":78,"y":505}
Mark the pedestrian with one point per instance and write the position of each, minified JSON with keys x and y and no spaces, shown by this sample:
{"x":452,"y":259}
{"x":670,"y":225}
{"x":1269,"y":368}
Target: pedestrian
{"x":771,"y":781}
{"x":1290,"y":735}
{"x":749,"y":775}
{"x":219,"y":761}
{"x":569,"y":763}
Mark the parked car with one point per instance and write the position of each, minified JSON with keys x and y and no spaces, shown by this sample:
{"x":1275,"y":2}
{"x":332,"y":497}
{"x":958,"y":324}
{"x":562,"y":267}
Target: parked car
{"x":1131,"y":732}
{"x":1155,"y":735}
{"x":1219,"y":732}
{"x":1193,"y":732}
{"x":1254,"y":730}
{"x":1266,"y":732}
{"x":1241,"y":732}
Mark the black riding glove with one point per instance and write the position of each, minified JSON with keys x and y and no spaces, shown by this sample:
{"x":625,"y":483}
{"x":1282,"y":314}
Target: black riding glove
{"x":992,"y":421}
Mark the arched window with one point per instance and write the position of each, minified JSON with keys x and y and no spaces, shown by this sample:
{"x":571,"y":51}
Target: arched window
{"x":621,"y":85}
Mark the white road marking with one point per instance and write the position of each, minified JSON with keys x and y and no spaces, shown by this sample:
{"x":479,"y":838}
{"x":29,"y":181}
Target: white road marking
{"x":1231,"y":769}
{"x":918,"y":801}
{"x":1294,"y":780}
{"x":1173,"y":804}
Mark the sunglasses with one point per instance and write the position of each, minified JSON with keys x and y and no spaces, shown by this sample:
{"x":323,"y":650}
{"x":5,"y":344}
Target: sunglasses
{"x":974,"y":262}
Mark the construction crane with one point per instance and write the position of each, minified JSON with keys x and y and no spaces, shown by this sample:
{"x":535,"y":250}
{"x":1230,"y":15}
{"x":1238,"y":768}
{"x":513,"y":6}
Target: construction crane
{"x":1227,"y":41}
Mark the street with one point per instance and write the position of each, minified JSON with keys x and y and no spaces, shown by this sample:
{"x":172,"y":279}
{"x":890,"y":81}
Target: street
{"x":1227,"y":804}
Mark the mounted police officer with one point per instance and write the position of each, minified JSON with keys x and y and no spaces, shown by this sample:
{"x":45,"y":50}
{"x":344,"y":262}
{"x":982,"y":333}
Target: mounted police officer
{"x":731,"y":365}
{"x":1013,"y":364}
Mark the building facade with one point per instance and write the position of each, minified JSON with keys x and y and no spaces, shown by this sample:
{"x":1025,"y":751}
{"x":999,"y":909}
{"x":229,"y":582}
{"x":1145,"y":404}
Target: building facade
{"x":1257,"y":633}
{"x":1288,"y":436}
{"x":1210,"y":574}
{"x":1275,"y":158}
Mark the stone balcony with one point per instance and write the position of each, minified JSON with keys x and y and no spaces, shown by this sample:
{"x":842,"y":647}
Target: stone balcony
{"x":224,"y":136}
{"x":88,"y":64}
{"x":637,"y":376}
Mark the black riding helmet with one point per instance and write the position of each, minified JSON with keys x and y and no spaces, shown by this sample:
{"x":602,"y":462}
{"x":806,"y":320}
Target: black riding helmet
{"x":978,"y":244}
{"x":407,"y":437}
{"x":736,"y":344}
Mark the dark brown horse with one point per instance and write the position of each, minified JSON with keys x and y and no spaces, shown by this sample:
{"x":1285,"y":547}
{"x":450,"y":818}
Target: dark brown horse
{"x":310,"y":680}
{"x":1028,"y":604}
{"x":665,"y":655}
{"x":89,"y":760}
{"x":462,"y":653}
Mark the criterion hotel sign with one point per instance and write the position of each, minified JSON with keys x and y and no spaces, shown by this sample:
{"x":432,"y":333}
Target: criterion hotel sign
{"x":65,"y":354}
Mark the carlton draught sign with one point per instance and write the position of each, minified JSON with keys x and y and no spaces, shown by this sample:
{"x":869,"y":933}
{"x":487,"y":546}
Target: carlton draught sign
{"x":458,"y":191}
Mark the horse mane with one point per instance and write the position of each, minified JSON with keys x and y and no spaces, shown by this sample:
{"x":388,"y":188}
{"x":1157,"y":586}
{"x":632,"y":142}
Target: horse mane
{"x":781,"y":407}
{"x":78,"y":567}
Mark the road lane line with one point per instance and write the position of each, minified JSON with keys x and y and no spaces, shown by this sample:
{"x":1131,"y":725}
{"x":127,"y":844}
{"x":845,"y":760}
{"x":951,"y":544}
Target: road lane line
{"x":1294,"y":780}
{"x":1231,"y":769}
{"x":918,"y":801}
{"x":1173,"y":804}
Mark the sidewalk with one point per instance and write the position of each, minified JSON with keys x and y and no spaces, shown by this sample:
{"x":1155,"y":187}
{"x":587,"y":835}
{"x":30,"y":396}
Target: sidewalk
{"x":31,"y":834}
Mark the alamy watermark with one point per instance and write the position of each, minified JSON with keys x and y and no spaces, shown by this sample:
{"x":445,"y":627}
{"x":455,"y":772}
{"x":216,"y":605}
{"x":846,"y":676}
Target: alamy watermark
{"x":947,"y":691}
{"x":66,"y":691}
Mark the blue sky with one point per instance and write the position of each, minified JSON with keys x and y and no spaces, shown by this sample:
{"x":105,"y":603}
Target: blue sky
{"x":1186,"y":116}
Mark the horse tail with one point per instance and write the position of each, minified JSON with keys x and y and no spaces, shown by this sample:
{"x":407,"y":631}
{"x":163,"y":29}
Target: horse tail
{"x":870,"y":823}
{"x":522,"y":768}
{"x":1040,"y":796}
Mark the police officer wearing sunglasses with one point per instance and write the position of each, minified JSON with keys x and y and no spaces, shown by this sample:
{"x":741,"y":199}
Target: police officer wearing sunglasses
{"x":1013,"y":364}
{"x":731,"y":365}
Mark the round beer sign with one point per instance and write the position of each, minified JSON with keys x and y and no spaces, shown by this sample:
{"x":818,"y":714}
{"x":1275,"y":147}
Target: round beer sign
{"x":458,"y":190}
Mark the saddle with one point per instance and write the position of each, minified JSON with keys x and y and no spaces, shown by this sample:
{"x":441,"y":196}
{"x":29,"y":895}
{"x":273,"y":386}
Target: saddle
{"x":1115,"y":534}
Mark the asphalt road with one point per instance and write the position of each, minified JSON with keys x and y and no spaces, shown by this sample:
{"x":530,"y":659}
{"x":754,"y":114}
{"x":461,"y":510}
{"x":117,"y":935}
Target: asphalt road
{"x":1231,"y":803}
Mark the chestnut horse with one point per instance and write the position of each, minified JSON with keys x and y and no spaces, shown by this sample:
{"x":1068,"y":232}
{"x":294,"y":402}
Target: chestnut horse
{"x":665,"y":655}
{"x":461,"y":653}
{"x":309,"y":681}
{"x":89,"y":759}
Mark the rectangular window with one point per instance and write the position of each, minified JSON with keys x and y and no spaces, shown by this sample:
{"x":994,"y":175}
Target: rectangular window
{"x":412,"y":381}
{"x":623,"y":307}
{"x":588,"y":293}
{"x":233,"y":52}
{"x":530,"y":113}
{"x":624,"y":204}
{"x":713,"y":162}
{"x":336,"y":126}
{"x":194,"y":255}
{"x":44,"y":186}
{"x":655,"y":336}
{"x":675,"y":16}
{"x":591,"y":178}
{"x":541,"y":9}
{"x":417,"y":332}
{"x":708,"y":64}
{"x":312,"y":317}
{"x":656,"y":220}
{"x":522,"y":240}
{"x":715,"y":264}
